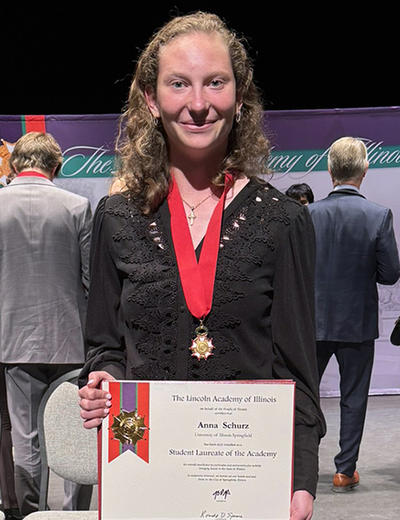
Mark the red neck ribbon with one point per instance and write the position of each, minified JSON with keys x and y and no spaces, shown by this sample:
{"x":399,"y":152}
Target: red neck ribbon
{"x":32,"y":174}
{"x":197,"y":278}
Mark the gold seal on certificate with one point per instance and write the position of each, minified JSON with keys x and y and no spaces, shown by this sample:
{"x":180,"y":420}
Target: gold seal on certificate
{"x":202,"y":346}
{"x":128,"y":427}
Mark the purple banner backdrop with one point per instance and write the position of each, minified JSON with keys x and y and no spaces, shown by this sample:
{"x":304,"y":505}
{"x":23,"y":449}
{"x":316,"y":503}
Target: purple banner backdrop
{"x":316,"y":129}
{"x":87,"y":142}
{"x":300,"y":141}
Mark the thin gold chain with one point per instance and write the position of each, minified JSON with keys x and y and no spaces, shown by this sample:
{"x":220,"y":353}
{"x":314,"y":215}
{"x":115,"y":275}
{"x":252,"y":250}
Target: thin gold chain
{"x":191,"y":215}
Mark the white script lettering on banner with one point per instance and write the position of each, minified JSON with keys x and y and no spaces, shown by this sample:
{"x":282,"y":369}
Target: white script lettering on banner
{"x":87,"y":160}
{"x":287,"y":162}
{"x":376,"y":155}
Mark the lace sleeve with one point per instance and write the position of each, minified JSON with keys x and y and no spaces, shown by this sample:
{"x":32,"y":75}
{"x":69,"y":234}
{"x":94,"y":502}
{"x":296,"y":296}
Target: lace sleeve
{"x":294,"y":346}
{"x":104,"y":336}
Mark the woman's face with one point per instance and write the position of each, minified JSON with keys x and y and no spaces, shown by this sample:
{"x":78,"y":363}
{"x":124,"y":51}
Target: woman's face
{"x":196,"y":95}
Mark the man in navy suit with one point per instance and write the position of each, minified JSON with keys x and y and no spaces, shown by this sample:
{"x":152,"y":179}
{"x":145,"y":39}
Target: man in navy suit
{"x":356,"y":249}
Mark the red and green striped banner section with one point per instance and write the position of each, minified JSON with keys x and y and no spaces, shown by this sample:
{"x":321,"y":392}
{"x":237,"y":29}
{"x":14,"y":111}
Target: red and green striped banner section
{"x":33,"y":124}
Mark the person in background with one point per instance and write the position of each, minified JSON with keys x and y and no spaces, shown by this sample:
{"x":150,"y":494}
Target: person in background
{"x":44,"y":256}
{"x":301,"y":192}
{"x":9,"y":503}
{"x":192,"y":150}
{"x":8,"y":498}
{"x":356,"y":249}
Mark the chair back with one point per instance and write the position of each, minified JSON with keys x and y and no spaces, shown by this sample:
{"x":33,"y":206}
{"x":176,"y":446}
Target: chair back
{"x":67,"y":448}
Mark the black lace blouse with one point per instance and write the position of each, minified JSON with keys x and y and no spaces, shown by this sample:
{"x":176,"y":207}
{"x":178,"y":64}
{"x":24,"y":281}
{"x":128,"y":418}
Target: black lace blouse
{"x":262,"y":316}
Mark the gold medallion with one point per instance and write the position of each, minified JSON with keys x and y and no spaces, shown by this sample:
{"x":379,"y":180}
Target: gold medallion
{"x":128,"y":427}
{"x":202,"y":346}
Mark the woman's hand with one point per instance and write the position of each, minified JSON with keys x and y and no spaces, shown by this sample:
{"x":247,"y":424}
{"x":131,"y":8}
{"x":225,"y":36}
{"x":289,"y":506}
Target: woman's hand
{"x":95,"y":403}
{"x":302,"y":505}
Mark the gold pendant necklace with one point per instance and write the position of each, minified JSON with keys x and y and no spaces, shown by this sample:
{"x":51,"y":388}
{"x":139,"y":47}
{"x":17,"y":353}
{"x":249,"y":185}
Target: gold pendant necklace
{"x":192,"y":215}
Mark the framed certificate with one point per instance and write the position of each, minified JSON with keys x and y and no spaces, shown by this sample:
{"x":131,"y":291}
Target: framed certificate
{"x":190,"y":450}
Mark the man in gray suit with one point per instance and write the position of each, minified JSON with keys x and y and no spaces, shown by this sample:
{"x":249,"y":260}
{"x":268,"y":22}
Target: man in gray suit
{"x":356,"y":249}
{"x":44,"y":250}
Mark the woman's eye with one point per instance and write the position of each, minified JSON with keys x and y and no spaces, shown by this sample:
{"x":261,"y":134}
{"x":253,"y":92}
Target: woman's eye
{"x":216,"y":83}
{"x":177,"y":84}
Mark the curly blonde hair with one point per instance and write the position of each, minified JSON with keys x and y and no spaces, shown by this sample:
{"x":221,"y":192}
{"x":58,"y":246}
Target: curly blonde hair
{"x":142,"y":148}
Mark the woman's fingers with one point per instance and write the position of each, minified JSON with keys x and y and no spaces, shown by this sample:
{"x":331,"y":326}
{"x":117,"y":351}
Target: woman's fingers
{"x":94,"y":402}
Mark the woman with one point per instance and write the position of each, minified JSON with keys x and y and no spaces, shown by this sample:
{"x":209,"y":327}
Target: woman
{"x":192,"y":150}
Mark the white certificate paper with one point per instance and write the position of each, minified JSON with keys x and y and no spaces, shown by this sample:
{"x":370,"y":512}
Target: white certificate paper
{"x":197,"y":450}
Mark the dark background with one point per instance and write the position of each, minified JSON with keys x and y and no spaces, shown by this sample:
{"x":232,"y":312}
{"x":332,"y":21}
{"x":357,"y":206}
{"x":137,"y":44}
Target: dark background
{"x":65,"y":59}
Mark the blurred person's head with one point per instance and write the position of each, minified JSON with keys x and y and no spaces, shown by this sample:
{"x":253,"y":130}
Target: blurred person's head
{"x":37,"y":151}
{"x":347,"y":161}
{"x":301,"y":192}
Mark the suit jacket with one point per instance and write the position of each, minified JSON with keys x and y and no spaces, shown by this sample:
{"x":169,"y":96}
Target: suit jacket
{"x":44,"y":251}
{"x":356,"y":249}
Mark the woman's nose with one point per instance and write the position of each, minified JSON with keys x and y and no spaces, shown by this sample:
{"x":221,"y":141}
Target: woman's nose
{"x":198,"y":100}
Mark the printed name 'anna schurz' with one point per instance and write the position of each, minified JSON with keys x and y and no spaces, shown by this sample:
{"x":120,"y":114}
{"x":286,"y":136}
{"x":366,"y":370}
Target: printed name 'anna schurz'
{"x":225,"y":425}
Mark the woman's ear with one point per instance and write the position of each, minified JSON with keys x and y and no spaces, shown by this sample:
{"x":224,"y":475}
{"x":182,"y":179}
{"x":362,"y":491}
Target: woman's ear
{"x":239,"y":104}
{"x":151,"y":101}
{"x":239,"y":101}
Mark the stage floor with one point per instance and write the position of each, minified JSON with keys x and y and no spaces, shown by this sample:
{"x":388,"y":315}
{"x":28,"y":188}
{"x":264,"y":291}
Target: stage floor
{"x":378,"y":494}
